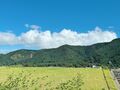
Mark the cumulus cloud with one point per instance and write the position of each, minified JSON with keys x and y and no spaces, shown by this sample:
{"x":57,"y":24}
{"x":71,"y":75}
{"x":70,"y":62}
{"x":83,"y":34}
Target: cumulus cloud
{"x":47,"y":39}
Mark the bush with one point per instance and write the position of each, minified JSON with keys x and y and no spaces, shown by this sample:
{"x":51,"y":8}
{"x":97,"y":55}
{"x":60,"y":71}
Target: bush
{"x":24,"y":81}
{"x":74,"y":84}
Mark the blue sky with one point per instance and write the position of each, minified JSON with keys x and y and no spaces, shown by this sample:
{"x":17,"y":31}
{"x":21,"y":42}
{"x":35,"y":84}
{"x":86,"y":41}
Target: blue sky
{"x":78,"y":16}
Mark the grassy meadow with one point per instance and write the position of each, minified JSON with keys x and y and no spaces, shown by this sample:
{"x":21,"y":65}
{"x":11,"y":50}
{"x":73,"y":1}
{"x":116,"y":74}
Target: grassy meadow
{"x":54,"y":78}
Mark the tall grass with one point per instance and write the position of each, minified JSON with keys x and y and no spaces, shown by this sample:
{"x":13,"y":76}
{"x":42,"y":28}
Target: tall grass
{"x":24,"y":81}
{"x":73,"y":84}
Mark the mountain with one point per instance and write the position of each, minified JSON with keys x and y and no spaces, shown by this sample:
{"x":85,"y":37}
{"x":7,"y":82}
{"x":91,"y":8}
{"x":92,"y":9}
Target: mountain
{"x":66,"y":56}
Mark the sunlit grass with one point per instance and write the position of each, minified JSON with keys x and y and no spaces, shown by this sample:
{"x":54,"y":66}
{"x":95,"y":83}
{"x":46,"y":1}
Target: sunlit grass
{"x":92,"y":78}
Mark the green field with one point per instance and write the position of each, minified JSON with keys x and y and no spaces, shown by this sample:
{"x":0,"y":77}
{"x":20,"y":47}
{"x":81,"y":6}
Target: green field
{"x":48,"y":78}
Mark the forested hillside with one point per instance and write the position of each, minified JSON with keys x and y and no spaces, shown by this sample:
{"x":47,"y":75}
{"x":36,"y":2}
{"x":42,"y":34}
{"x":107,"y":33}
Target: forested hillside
{"x":66,"y":56}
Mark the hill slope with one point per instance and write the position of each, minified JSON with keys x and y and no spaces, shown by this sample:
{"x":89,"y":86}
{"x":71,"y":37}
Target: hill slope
{"x":66,"y":55}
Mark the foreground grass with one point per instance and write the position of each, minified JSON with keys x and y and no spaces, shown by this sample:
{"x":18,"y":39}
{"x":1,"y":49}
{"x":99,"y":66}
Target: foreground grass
{"x":57,"y":78}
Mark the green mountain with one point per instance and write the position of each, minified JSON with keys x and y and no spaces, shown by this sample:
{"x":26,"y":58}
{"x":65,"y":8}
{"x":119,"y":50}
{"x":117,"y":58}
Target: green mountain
{"x":66,"y":56}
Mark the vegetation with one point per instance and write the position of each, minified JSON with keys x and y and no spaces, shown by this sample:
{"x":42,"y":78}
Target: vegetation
{"x":43,"y":78}
{"x":25,"y":82}
{"x":66,"y":56}
{"x":35,"y":75}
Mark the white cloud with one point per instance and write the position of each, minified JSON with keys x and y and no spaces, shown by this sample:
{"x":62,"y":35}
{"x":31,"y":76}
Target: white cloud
{"x":33,"y":27}
{"x":27,"y":25}
{"x":8,"y":38}
{"x":45,"y":39}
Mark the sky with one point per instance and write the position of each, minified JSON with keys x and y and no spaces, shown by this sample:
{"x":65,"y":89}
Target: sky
{"x":39,"y":24}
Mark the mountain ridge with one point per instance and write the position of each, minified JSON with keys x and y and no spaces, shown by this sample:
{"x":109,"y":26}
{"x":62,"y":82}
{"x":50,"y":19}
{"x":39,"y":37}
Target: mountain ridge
{"x":66,"y":55}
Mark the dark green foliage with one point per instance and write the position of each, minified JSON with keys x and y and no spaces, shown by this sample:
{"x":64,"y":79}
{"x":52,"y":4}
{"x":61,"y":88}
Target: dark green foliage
{"x":67,"y":56}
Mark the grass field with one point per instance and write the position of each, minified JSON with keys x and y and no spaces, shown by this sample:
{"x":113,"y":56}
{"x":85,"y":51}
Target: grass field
{"x":44,"y":78}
